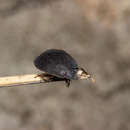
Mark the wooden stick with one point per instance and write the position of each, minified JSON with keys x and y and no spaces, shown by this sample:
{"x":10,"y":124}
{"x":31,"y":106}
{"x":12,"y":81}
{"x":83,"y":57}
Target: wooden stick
{"x":26,"y":79}
{"x":33,"y":79}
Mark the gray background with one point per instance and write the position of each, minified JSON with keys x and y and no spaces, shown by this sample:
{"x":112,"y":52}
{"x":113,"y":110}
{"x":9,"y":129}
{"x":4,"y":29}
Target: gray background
{"x":96,"y":34}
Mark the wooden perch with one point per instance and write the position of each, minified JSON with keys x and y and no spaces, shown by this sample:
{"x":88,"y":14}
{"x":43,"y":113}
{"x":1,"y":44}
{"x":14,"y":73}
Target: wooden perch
{"x":27,"y":79}
{"x":34,"y":79}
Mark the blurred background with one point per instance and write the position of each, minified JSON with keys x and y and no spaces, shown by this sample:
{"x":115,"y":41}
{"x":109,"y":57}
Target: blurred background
{"x":97,"y":34}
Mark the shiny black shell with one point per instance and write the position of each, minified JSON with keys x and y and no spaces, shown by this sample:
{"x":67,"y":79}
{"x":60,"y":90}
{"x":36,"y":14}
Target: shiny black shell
{"x":58,"y":63}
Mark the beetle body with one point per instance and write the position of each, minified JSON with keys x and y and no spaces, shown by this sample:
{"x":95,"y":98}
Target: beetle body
{"x":60,"y":64}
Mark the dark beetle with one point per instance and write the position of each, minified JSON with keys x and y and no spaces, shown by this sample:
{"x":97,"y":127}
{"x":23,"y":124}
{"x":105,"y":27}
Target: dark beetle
{"x":60,"y":64}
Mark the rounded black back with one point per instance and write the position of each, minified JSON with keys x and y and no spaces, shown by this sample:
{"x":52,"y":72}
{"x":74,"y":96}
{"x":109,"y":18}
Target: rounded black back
{"x":58,"y":63}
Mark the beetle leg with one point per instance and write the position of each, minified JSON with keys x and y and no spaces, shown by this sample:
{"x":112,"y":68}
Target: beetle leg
{"x":67,"y":82}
